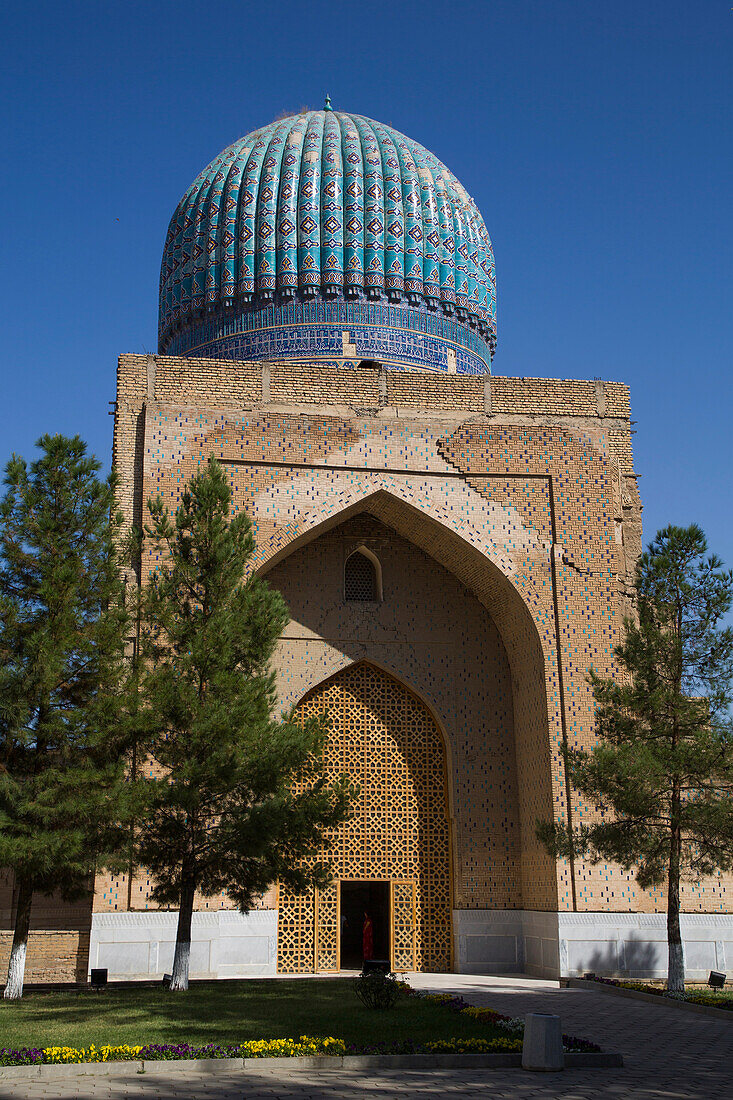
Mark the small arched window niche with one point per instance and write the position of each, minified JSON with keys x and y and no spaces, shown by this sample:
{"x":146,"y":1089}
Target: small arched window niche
{"x":363,"y":577}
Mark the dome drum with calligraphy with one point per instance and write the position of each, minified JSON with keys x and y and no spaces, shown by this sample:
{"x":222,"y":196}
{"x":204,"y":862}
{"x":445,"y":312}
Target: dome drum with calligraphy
{"x":329,"y":236}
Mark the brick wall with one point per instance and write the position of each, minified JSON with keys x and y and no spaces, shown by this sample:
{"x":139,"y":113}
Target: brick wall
{"x":52,"y":956}
{"x":58,"y":943}
{"x":522,"y":489}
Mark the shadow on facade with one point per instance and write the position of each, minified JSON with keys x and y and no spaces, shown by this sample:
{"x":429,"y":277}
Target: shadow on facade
{"x":516,"y":626}
{"x":629,"y":957}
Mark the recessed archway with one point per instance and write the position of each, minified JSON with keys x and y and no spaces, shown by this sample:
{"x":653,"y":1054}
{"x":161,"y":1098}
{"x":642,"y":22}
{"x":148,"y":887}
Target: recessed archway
{"x":525,"y":625}
{"x":388,"y":741}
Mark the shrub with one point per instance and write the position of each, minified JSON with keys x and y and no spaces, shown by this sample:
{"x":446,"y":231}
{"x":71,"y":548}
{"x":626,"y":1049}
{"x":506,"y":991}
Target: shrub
{"x":378,"y":990}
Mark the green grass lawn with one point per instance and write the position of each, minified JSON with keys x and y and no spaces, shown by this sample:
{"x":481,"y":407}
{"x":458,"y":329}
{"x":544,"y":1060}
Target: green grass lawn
{"x":224,"y":1012}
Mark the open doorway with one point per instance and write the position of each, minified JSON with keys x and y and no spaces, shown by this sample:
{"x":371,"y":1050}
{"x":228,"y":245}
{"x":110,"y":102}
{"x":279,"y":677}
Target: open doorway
{"x":357,"y":900}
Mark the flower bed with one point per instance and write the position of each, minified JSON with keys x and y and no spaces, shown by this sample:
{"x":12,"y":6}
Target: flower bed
{"x":508,"y":1041}
{"x":710,"y":998}
{"x":440,"y":1046}
{"x":514,"y":1025}
{"x":257,"y":1048}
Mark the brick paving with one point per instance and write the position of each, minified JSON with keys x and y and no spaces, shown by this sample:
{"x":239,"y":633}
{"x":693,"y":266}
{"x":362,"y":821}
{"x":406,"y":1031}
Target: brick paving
{"x":669,"y":1055}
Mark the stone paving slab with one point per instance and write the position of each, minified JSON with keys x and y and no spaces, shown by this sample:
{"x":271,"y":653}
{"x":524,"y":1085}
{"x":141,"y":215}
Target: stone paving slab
{"x":668,"y":1056}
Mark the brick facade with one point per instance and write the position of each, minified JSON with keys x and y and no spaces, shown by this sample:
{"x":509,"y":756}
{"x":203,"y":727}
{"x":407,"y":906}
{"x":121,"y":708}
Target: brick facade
{"x":506,"y":518}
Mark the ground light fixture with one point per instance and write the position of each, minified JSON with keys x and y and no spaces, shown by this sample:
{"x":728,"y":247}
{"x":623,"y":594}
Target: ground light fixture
{"x":98,"y":978}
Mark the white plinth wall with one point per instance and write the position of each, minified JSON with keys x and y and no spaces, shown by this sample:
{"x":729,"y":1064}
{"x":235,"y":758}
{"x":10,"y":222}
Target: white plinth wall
{"x":224,"y":944}
{"x":228,"y":944}
{"x":551,"y":945}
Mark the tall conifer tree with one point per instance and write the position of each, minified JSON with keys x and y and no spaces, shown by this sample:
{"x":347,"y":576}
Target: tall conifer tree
{"x":661,"y":775}
{"x":239,"y":796}
{"x":63,"y":797}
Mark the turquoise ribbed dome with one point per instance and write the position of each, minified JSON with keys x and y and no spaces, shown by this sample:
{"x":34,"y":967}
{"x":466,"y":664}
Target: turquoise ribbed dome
{"x":326,"y":231}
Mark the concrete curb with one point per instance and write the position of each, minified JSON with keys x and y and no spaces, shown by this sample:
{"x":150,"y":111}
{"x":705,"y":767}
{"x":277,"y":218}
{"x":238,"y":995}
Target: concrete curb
{"x":652,"y":998}
{"x":215,"y":1066}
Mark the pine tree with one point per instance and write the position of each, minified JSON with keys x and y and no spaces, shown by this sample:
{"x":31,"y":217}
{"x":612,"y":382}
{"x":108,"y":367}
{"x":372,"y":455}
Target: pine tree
{"x":661,"y":774}
{"x":239,"y":796}
{"x":63,"y":797}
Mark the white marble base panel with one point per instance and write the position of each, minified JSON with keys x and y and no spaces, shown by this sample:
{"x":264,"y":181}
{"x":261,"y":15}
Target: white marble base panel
{"x":224,"y":944}
{"x":229,"y":944}
{"x":551,"y":945}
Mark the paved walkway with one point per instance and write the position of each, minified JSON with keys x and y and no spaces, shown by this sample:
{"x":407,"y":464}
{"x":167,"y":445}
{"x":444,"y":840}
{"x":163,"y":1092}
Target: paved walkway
{"x":669,"y":1055}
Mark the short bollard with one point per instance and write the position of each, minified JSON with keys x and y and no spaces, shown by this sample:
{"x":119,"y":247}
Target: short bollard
{"x":542,"y":1047}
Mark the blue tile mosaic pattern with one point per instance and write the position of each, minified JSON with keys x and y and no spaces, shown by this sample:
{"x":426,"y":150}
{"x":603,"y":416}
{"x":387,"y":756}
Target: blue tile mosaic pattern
{"x":396,"y":335}
{"x":340,"y":212}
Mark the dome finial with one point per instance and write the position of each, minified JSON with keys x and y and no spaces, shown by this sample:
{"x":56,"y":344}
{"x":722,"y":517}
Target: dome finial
{"x":327,"y":104}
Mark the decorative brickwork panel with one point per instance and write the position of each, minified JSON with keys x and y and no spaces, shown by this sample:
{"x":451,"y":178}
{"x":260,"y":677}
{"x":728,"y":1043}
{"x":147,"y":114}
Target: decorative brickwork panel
{"x":327,"y":928}
{"x":403,"y":925}
{"x":296,"y":932}
{"x":385,"y":738}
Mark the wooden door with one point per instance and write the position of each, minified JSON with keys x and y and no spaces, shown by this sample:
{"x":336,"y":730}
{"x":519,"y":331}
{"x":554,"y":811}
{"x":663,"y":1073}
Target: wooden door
{"x":327,"y":928}
{"x":402,"y":920}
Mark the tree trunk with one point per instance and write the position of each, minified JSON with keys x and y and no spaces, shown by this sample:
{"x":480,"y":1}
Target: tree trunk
{"x":181,"y":959}
{"x":16,"y":966}
{"x":676,"y":962}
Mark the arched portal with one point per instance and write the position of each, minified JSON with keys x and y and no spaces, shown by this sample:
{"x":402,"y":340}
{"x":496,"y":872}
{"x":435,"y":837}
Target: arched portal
{"x":524,"y":876}
{"x":388,"y":742}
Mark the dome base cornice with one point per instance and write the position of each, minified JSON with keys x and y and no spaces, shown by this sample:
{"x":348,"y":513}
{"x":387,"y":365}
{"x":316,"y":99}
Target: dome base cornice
{"x":324,"y":327}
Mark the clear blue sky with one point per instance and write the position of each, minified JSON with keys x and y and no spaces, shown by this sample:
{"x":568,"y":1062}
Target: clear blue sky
{"x":595,"y":136}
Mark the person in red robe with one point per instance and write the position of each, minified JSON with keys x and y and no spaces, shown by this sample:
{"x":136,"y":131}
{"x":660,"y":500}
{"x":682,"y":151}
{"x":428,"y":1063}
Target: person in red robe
{"x":368,"y":938}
